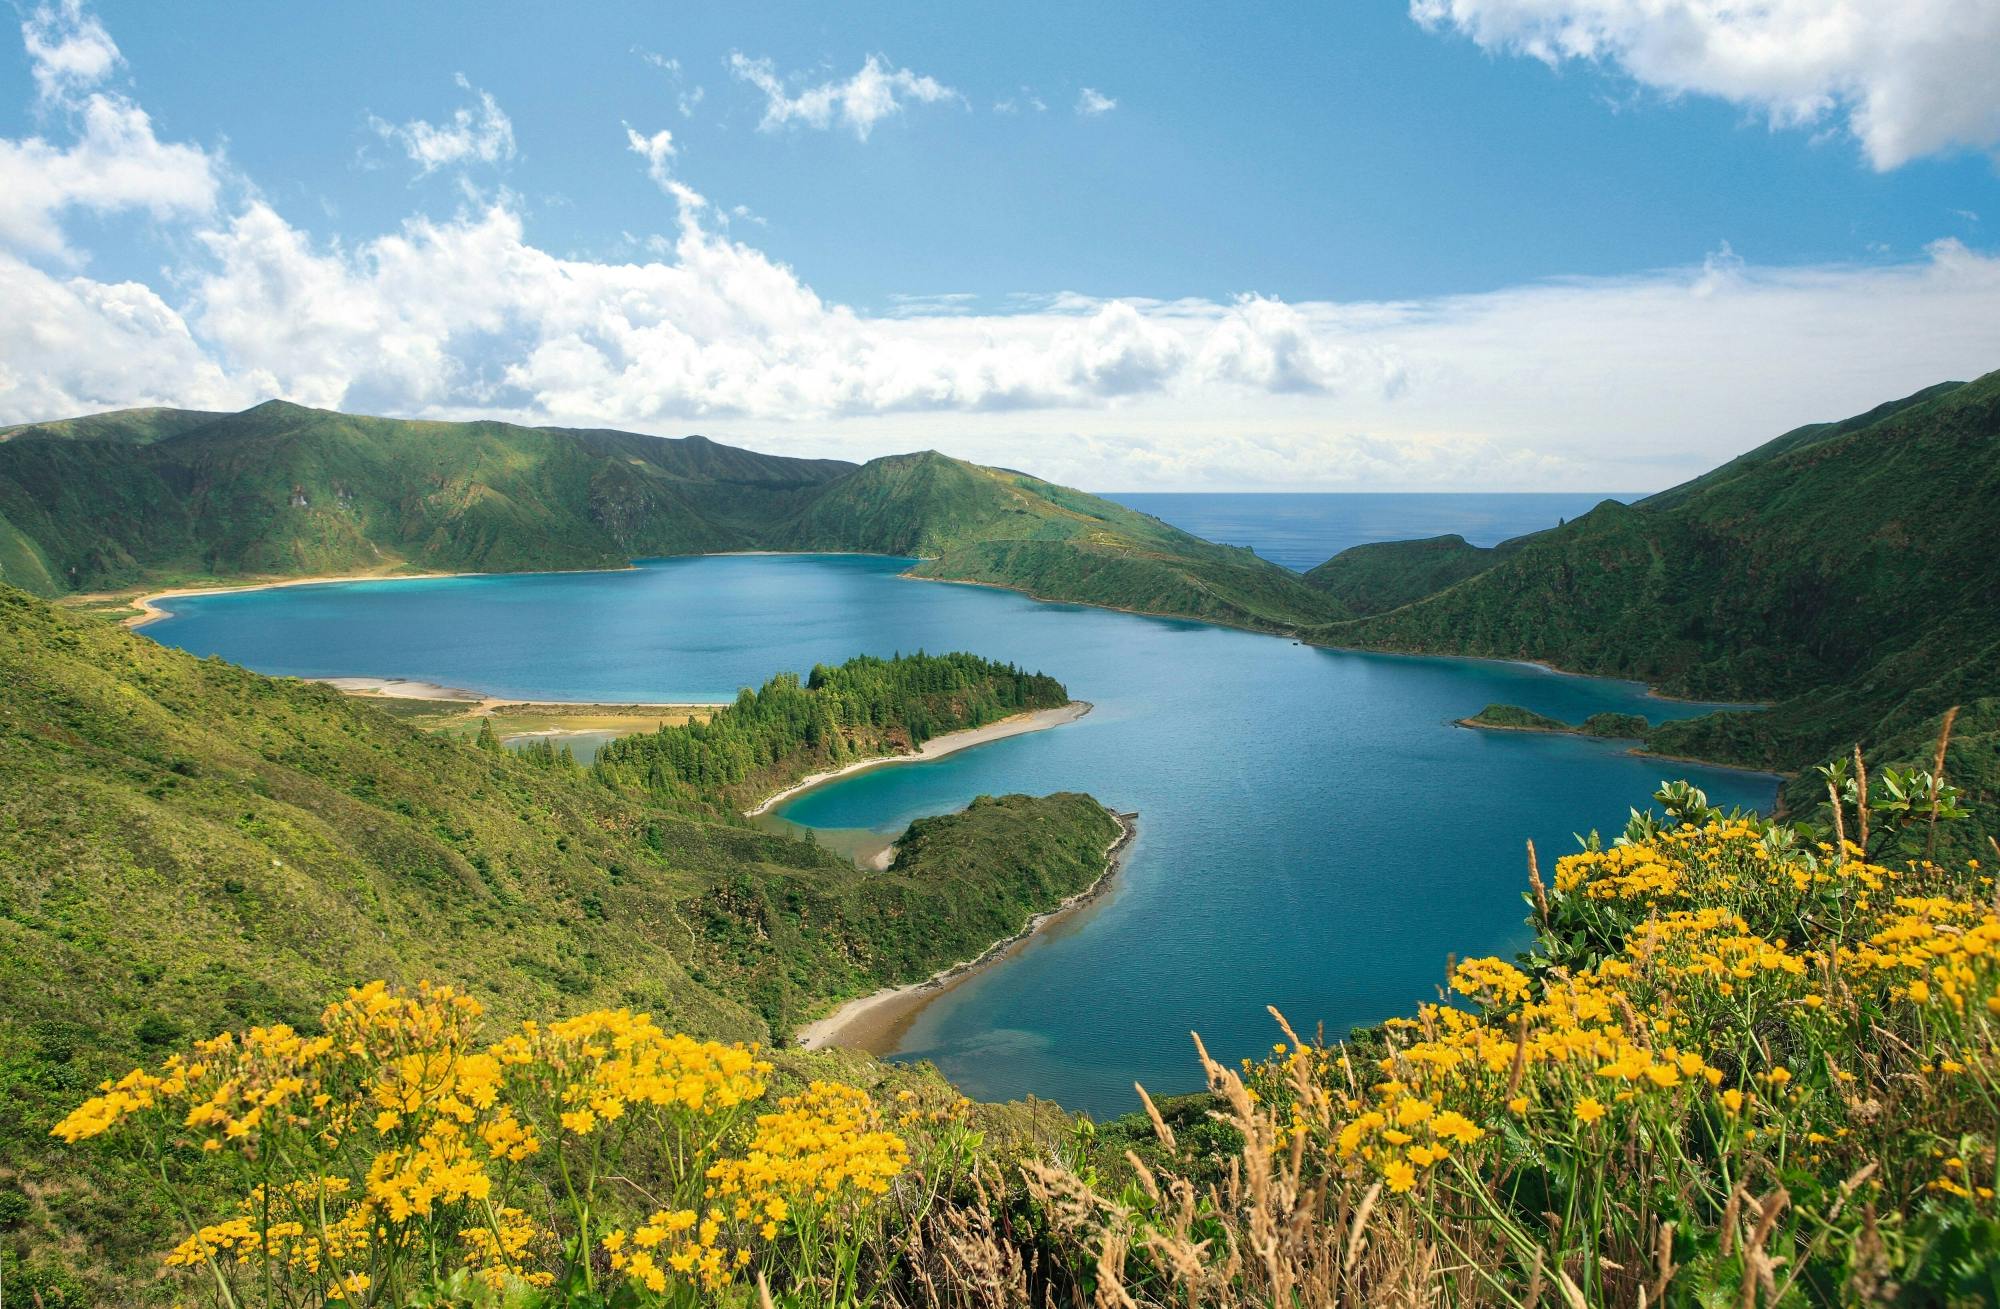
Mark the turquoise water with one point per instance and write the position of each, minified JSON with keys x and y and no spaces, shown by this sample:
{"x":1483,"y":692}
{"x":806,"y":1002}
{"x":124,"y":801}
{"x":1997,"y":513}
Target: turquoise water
{"x":1301,"y":529}
{"x":1314,"y":833}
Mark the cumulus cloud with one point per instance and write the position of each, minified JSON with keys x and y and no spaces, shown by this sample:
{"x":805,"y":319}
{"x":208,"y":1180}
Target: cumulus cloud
{"x":115,"y":161}
{"x":70,"y":345}
{"x":1908,"y":78}
{"x":1090,"y":102}
{"x":876,"y":92}
{"x":68,"y":49}
{"x":477,"y":133}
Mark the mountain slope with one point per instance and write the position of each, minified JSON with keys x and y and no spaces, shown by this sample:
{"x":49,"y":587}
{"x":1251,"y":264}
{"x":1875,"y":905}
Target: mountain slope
{"x":143,"y":496}
{"x":1384,"y":575}
{"x":1843,"y":572}
{"x":282,"y":490}
{"x":1006,"y":528}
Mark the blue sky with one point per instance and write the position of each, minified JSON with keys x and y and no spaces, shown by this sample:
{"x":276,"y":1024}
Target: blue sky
{"x":1451,"y":245}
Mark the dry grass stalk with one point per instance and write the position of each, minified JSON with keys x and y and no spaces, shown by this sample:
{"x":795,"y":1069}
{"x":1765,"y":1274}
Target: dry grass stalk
{"x":1535,"y":883}
{"x":1937,"y":780}
{"x":1160,"y":1128}
{"x":1861,"y":797}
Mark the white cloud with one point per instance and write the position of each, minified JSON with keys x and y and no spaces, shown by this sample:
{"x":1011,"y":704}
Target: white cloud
{"x":874,"y":93}
{"x":1909,"y":77}
{"x":1090,"y":102}
{"x":477,"y":133}
{"x":70,"y":50}
{"x":115,"y":163}
{"x":1026,"y":100}
{"x":685,"y":97}
{"x":658,"y":152}
{"x":73,"y":345}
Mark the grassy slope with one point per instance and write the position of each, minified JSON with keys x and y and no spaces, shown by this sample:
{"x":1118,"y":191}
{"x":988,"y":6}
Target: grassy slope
{"x":1842,"y":572}
{"x":181,"y":837}
{"x":281,"y":490}
{"x":1005,"y":528}
{"x":1384,"y":575}
{"x":143,"y":496}
{"x":187,"y":847}
{"x":960,"y":882}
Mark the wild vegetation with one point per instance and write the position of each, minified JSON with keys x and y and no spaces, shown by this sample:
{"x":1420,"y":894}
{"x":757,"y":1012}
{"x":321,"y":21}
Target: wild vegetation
{"x":788,"y":729}
{"x":1513,"y":718}
{"x":1005,"y":528}
{"x":187,"y":847}
{"x":151,"y":496}
{"x":1383,"y":575}
{"x":1740,"y":1066}
{"x":1837,"y":574}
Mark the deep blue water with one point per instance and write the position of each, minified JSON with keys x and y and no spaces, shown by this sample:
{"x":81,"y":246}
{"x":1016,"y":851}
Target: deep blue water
{"x":1314,"y":833}
{"x":1303,"y":529}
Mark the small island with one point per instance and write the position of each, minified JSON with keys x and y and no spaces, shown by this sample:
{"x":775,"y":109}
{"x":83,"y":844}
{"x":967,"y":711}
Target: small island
{"x":1513,"y":718}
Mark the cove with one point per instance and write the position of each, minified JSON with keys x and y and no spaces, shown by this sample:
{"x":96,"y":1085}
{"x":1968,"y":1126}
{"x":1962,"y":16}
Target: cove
{"x":1314,"y":833}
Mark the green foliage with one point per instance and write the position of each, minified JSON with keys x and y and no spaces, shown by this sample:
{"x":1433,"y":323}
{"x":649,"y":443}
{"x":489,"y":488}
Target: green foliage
{"x":959,"y":883}
{"x":1513,"y":718}
{"x":787,"y":729}
{"x":1005,"y":528}
{"x":1616,"y":725}
{"x":1384,"y":575}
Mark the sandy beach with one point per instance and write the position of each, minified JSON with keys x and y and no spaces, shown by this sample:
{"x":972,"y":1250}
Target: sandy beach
{"x":876,"y":1023}
{"x":936,"y":748}
{"x":150,"y":611}
{"x":400,"y":688}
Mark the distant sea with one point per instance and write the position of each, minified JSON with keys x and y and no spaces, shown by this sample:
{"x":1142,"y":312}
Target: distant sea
{"x":1303,"y":529}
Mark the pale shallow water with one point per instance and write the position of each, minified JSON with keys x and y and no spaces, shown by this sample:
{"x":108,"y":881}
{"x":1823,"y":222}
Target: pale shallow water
{"x":1314,"y":833}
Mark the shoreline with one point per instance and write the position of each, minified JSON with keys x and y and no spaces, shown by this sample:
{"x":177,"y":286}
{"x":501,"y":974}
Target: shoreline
{"x":1636,"y":751}
{"x":875,"y":1023}
{"x":149,"y":612}
{"x":405,"y":688}
{"x":936,"y":748}
{"x":148,"y":602}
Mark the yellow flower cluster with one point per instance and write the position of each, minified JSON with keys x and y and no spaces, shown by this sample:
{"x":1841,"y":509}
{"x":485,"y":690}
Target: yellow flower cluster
{"x":388,"y":1144}
{"x":1666,"y":1022}
{"x":817,"y":1163}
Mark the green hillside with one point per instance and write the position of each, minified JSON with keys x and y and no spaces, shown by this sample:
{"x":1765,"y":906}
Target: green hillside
{"x":144,"y":496}
{"x":1841,"y":574}
{"x":279,"y":490}
{"x":131,"y":426}
{"x":186,"y":847}
{"x":1006,"y":528}
{"x":1384,"y":575}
